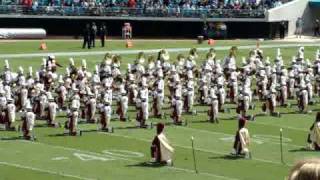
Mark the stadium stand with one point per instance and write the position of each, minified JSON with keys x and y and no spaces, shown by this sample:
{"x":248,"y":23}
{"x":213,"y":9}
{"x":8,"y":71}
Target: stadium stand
{"x":157,"y":8}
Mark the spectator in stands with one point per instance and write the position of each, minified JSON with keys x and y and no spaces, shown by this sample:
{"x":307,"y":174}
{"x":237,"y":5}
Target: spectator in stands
{"x":299,"y":27}
{"x":86,"y":37}
{"x":132,"y":3}
{"x":93,"y":34}
{"x":35,"y":5}
{"x":317,"y":28}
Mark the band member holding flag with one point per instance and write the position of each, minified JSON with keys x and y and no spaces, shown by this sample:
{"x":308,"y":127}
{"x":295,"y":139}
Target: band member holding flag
{"x":161,"y":150}
{"x":242,"y":140}
{"x":314,"y":135}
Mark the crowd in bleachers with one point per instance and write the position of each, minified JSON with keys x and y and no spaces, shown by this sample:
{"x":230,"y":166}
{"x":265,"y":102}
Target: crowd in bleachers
{"x":166,"y":5}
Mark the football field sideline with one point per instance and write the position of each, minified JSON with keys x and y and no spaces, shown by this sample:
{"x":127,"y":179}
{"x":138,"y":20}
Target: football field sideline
{"x":148,"y":51}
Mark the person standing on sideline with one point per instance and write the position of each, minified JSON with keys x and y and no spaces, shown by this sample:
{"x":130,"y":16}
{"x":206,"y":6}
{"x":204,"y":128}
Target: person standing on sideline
{"x":93,"y":33}
{"x":299,"y":27}
{"x":86,"y":37}
{"x":282,"y":29}
{"x":102,"y":33}
{"x":317,"y":28}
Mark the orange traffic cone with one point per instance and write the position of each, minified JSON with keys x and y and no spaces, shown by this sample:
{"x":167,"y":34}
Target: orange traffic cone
{"x":129,"y":44}
{"x":43,"y":46}
{"x":211,"y":42}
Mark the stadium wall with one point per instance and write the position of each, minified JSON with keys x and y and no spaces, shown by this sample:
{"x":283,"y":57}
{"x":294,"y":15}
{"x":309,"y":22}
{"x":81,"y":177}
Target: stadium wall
{"x":290,"y":12}
{"x":143,"y":28}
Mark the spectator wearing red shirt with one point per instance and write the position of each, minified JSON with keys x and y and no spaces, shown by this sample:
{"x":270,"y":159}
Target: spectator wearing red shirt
{"x":132,"y":3}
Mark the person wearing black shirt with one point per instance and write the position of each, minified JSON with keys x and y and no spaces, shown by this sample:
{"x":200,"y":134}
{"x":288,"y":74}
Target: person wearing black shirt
{"x":93,"y":33}
{"x":317,"y":28}
{"x":102,"y":33}
{"x":86,"y":37}
{"x":282,"y":29}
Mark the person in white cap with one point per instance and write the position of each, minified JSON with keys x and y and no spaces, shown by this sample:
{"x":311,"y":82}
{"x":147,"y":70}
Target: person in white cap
{"x":132,"y":90}
{"x":261,"y":82}
{"x":52,"y":60}
{"x":188,"y":94}
{"x":21,"y":79}
{"x":30,"y":81}
{"x":72,"y":123}
{"x":3,"y":103}
{"x":62,"y":93}
{"x":203,"y":89}
{"x":161,"y":150}
{"x":233,"y":85}
{"x":291,"y":83}
{"x":10,"y":114}
{"x":122,"y":100}
{"x":230,"y":62}
{"x":303,"y":98}
{"x":52,"y":111}
{"x":142,"y":102}
{"x":243,"y":103}
{"x":283,"y":87}
{"x":270,"y":102}
{"x":314,"y":135}
{"x":180,"y":64}
{"x":177,"y":103}
{"x":72,"y":68}
{"x":164,"y":58}
{"x":158,"y":94}
{"x":221,"y":93}
{"x":172,"y":80}
{"x":28,"y":118}
{"x":43,"y":101}
{"x":23,"y":97}
{"x":90,"y":108}
{"x":105,"y":113}
{"x":7,"y":74}
{"x":242,"y":140}
{"x":213,"y":105}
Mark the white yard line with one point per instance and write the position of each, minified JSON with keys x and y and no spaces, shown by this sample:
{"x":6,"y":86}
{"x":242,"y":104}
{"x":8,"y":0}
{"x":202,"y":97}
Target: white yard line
{"x":43,"y":170}
{"x":186,"y":147}
{"x":282,"y":126}
{"x":131,"y":160}
{"x":212,"y":132}
{"x":121,"y":52}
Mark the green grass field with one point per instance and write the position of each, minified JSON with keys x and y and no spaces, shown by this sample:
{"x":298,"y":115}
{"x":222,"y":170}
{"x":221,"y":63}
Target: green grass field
{"x":123,"y":154}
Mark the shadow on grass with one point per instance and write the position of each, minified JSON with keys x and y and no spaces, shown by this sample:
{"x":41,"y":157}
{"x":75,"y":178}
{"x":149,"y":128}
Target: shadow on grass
{"x":58,"y":135}
{"x":128,"y":127}
{"x":11,"y":138}
{"x":40,"y":125}
{"x":227,"y":157}
{"x":302,"y":150}
{"x":291,"y":112}
{"x":148,"y":164}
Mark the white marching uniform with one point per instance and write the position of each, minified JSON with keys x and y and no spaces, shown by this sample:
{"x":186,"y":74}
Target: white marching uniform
{"x":52,"y":106}
{"x":11,"y":110}
{"x":189,"y":93}
{"x":245,"y":140}
{"x":213,"y":103}
{"x":159,"y":93}
{"x":143,"y":100}
{"x":107,"y":112}
{"x":23,"y":97}
{"x":30,"y":117}
{"x":92,"y":103}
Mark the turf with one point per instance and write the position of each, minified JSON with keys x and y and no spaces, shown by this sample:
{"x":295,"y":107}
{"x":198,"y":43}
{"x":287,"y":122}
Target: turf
{"x":97,"y":155}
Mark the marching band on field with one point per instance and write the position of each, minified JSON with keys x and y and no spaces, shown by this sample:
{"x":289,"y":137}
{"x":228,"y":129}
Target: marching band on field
{"x":152,"y":84}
